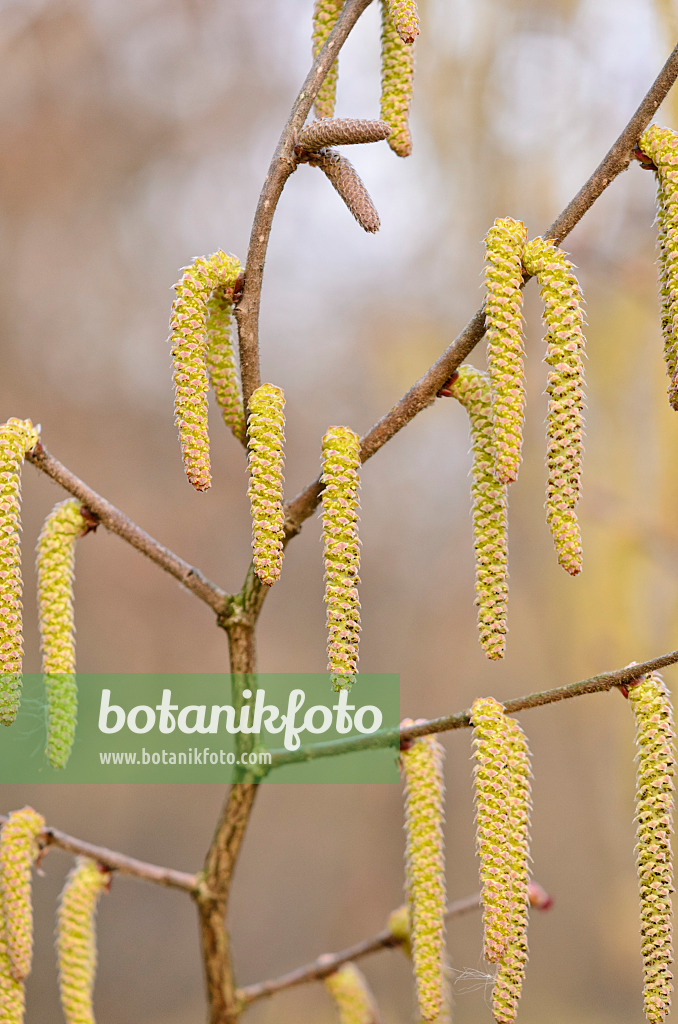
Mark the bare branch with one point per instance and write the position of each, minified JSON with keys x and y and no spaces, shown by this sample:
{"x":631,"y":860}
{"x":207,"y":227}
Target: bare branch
{"x":115,"y":521}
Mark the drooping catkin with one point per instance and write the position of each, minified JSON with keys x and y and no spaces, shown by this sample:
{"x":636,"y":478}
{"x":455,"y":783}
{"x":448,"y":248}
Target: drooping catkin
{"x":493,"y":817}
{"x":325,"y":15}
{"x":266,"y":440}
{"x":12,"y":993}
{"x":397,"y":76}
{"x":656,"y":765}
{"x":405,"y":18}
{"x":76,"y":939}
{"x":340,"y":507}
{"x":344,"y":178}
{"x":342,"y":131}
{"x":661,"y":145}
{"x":220,"y":362}
{"x":16,"y":438}
{"x":563,"y":317}
{"x":55,"y":558}
{"x":504,"y":245}
{"x":422,"y":763}
{"x":352,"y":996}
{"x":508,"y":982}
{"x":19,"y":848}
{"x":490,"y":530}
{"x":188,"y":323}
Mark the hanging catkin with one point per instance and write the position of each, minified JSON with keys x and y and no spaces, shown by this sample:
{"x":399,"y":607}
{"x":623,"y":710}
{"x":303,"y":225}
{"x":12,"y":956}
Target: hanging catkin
{"x":563,"y":317}
{"x":56,"y":553}
{"x":325,"y":15}
{"x":490,"y":533}
{"x":397,"y":75}
{"x":220,"y":361}
{"x":76,"y":939}
{"x":340,"y":477}
{"x":422,"y":761}
{"x":352,"y":996}
{"x":656,"y":765}
{"x":19,"y":849}
{"x":16,"y":438}
{"x":266,"y":440}
{"x":405,"y":18}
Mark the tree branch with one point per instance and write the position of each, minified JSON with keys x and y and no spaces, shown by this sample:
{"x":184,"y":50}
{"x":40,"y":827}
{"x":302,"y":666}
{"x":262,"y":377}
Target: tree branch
{"x":425,"y":390}
{"x":115,"y":521}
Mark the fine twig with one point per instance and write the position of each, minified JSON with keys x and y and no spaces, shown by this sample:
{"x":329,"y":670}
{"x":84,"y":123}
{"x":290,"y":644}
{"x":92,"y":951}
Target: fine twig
{"x":425,"y":390}
{"x":115,"y":521}
{"x":282,"y":165}
{"x":462,"y":719}
{"x":327,"y":963}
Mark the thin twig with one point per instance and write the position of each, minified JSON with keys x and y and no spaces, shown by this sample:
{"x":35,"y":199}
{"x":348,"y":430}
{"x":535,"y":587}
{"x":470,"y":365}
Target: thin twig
{"x":282,"y":165}
{"x":327,"y":963}
{"x":115,"y":521}
{"x":425,"y":390}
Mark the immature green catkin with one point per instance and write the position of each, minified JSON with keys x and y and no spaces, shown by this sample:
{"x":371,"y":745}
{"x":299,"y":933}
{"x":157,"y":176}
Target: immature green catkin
{"x":220,"y":362}
{"x":563,"y":317}
{"x":397,"y":74}
{"x":16,"y":438}
{"x":493,"y":821}
{"x":19,"y":849}
{"x":661,"y":145}
{"x":188,"y":323}
{"x":490,"y":532}
{"x":76,"y":939}
{"x":504,"y":245}
{"x":425,"y":869}
{"x":352,"y":997}
{"x":655,"y":740}
{"x":405,"y":18}
{"x":325,"y":15}
{"x":266,"y":440}
{"x":340,"y":507}
{"x":56,"y":553}
{"x":508,"y":982}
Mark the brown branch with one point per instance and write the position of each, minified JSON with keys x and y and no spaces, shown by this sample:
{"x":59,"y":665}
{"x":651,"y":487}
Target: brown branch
{"x":117,"y":861}
{"x":425,"y":390}
{"x":327,"y":963}
{"x":115,"y":521}
{"x":282,"y":165}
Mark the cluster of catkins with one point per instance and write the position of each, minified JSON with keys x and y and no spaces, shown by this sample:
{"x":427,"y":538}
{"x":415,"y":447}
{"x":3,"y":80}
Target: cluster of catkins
{"x":20,"y":847}
{"x":495,"y":402}
{"x":55,"y":553}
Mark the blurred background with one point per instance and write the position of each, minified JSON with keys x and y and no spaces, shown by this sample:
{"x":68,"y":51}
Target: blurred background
{"x":136,"y":137}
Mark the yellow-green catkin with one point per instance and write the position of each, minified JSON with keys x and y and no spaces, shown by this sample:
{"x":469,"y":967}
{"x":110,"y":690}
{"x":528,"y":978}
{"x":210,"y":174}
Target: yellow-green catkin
{"x":405,"y":18}
{"x":564,"y":318}
{"x":661,"y":145}
{"x":397,"y":76}
{"x":656,"y":761}
{"x":325,"y":15}
{"x":266,"y":440}
{"x":189,"y":324}
{"x":12,"y":993}
{"x":508,"y":982}
{"x":55,"y":558}
{"x":504,"y":245}
{"x":221,"y":364}
{"x":19,"y":848}
{"x":340,"y":508}
{"x":493,"y":816}
{"x":16,"y":438}
{"x":398,"y":925}
{"x":490,"y":528}
{"x":352,"y":996}
{"x":76,"y":939}
{"x":425,"y":869}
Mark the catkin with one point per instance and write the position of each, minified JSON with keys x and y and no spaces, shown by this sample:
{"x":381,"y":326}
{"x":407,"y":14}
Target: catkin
{"x":425,"y":869}
{"x":76,"y":939}
{"x":16,"y":438}
{"x":266,"y":440}
{"x":342,"y":131}
{"x":405,"y":18}
{"x":189,"y":323}
{"x":12,"y":993}
{"x":220,"y":362}
{"x":655,"y":740}
{"x":325,"y":15}
{"x":563,"y":317}
{"x":504,"y":245}
{"x":490,"y":531}
{"x":397,"y":75}
{"x":661,"y":144}
{"x":344,"y":178}
{"x":352,"y":997}
{"x":340,"y":507}
{"x":19,"y":848}
{"x":56,"y":552}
